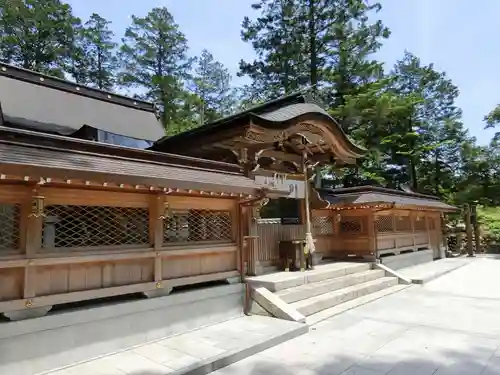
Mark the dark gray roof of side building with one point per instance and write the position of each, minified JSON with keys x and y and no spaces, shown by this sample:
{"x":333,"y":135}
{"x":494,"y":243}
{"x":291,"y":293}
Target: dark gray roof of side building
{"x":369,"y":195}
{"x":35,"y":101}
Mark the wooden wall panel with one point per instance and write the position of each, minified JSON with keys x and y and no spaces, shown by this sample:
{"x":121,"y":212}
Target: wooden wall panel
{"x":11,"y":283}
{"x":78,"y":277}
{"x":324,"y":243}
{"x":209,"y":203}
{"x":357,"y":246}
{"x":61,"y":196}
{"x":404,"y":241}
{"x":185,"y":266}
{"x":422,"y":239}
{"x":386,"y":242}
{"x":14,"y":193}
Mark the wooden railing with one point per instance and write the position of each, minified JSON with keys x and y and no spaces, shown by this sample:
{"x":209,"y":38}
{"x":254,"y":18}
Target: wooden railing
{"x":401,"y":231}
{"x":57,"y":256}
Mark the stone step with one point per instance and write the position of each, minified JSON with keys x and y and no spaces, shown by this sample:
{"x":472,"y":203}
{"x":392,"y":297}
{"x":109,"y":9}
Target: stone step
{"x":314,"y":289}
{"x":286,"y":280}
{"x":349,"y":305}
{"x":327,"y":300}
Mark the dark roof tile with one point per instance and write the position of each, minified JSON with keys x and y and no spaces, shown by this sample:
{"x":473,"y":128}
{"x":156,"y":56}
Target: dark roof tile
{"x":371,"y":195}
{"x":80,"y":165}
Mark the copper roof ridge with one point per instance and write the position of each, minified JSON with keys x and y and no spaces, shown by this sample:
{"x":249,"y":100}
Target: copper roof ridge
{"x":30,"y":76}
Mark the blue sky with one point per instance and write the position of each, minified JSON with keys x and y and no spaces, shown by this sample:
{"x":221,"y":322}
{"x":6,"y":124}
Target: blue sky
{"x":457,"y":37}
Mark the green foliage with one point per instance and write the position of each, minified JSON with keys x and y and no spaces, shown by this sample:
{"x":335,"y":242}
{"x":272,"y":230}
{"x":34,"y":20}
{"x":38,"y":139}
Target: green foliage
{"x":211,"y":83}
{"x":489,"y":219}
{"x":154,"y":58}
{"x":98,"y":47}
{"x":36,"y":34}
{"x":406,"y":117}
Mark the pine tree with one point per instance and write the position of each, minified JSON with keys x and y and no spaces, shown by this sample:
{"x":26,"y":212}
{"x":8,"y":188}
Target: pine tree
{"x":211,"y":83}
{"x":36,"y":34}
{"x":492,"y":120}
{"x":154,"y":61}
{"x":435,"y":120}
{"x":319,"y":43}
{"x":100,"y":61}
{"x":280,"y":65}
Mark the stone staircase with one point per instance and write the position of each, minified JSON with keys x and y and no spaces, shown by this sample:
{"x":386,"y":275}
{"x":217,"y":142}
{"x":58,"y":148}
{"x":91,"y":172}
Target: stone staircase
{"x":295,"y":295}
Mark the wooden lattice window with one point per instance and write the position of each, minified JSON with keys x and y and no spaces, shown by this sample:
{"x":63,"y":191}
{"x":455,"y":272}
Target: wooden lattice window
{"x":323,"y":225}
{"x":384,"y":224}
{"x":350,"y":225}
{"x":420,"y":225}
{"x":403,"y":223}
{"x":94,"y":226}
{"x":9,"y":227}
{"x":198,"y":226}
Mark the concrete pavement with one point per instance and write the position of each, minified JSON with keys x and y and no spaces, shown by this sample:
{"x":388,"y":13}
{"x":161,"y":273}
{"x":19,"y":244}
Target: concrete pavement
{"x":448,"y":326}
{"x":423,"y":273}
{"x":196,"y":352}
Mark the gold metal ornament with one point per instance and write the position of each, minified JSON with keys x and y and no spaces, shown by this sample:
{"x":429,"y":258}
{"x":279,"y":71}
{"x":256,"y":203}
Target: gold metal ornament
{"x":37,"y":206}
{"x":166,"y":211}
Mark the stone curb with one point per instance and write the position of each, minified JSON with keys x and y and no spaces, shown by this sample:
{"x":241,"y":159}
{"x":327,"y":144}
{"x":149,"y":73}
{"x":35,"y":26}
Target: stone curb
{"x":390,"y":272}
{"x":225,"y":359}
{"x":424,"y":280}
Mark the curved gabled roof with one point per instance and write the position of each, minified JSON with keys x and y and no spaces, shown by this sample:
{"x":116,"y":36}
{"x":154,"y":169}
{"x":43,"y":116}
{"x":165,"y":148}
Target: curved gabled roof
{"x":284,"y":114}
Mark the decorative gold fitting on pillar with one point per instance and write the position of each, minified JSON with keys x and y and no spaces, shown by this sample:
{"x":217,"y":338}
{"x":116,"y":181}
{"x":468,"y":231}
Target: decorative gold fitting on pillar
{"x":37,"y":206}
{"x":166,"y":211}
{"x":28,"y":303}
{"x":158,"y":285}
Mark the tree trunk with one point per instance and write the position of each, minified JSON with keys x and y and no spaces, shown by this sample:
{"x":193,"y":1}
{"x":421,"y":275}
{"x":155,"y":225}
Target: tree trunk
{"x":312,"y":45}
{"x":437,"y":173}
{"x":411,"y":161}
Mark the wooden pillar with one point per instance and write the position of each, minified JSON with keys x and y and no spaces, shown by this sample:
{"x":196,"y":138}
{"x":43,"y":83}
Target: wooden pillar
{"x":251,"y":241}
{"x":158,"y":214}
{"x":32,"y":212}
{"x":156,"y":225}
{"x":429,"y":234}
{"x":372,"y":234}
{"x":443,"y":237}
{"x":468,"y":229}
{"x":477,"y":231}
{"x":33,"y":242}
{"x":412,"y":217}
{"x":309,"y":241}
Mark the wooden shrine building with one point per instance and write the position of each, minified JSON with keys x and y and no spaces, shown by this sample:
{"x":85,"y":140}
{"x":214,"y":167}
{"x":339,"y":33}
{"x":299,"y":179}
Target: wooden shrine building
{"x":375,"y":223}
{"x":98,"y":206}
{"x":288,"y":139}
{"x":87,"y":212}
{"x":96,"y":202}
